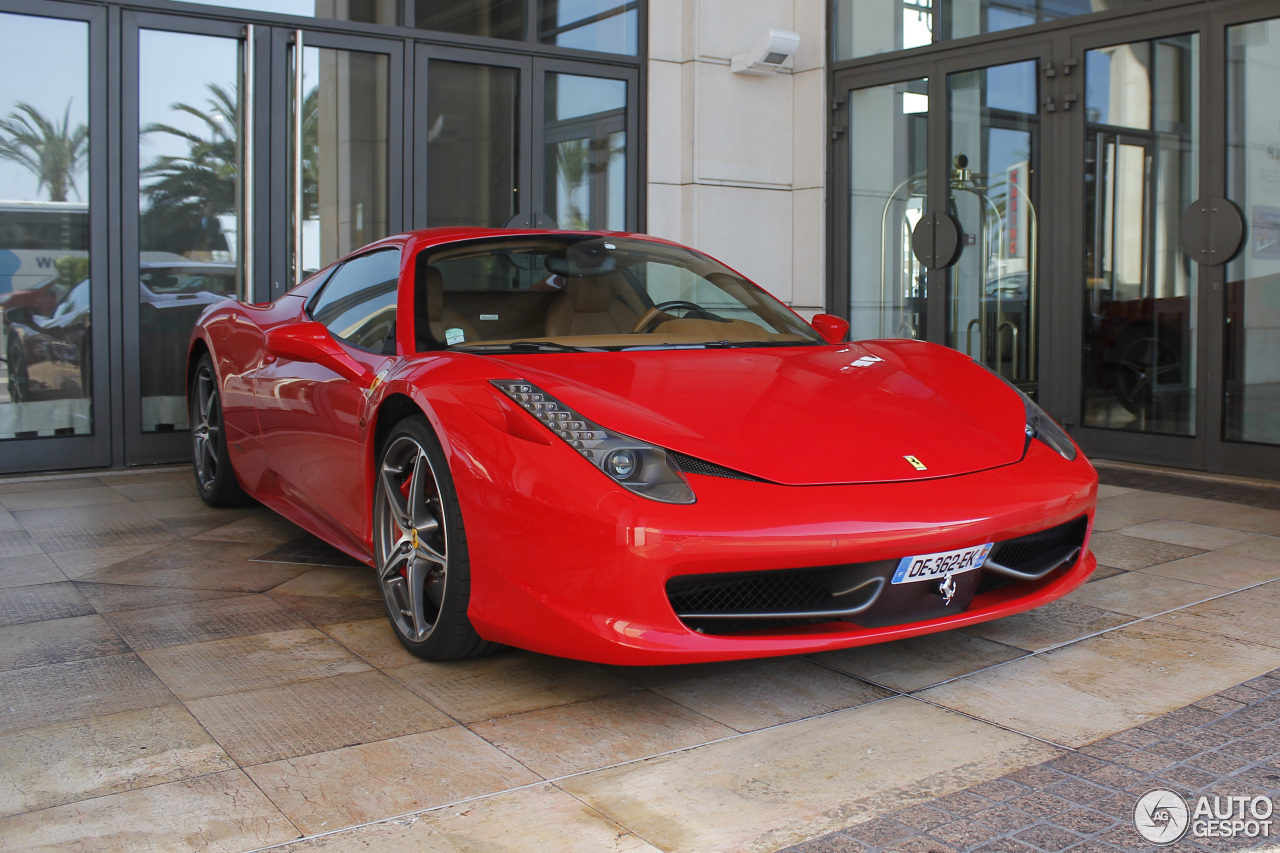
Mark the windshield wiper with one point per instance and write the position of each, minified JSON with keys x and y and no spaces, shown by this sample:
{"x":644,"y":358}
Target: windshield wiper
{"x":524,"y":346}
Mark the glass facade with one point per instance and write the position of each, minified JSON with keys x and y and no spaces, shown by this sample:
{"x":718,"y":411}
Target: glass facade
{"x":45,"y":291}
{"x":247,"y":145}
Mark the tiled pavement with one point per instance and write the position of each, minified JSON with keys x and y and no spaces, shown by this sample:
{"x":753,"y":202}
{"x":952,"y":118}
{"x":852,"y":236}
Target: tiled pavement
{"x":180,"y":678}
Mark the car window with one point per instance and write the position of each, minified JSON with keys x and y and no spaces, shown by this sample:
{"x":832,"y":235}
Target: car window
{"x":358,"y":303}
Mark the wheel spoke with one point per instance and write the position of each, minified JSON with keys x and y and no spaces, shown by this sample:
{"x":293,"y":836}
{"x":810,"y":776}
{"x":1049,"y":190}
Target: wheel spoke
{"x":396,"y":501}
{"x":418,"y":491}
{"x":417,"y":577}
{"x":396,"y":561}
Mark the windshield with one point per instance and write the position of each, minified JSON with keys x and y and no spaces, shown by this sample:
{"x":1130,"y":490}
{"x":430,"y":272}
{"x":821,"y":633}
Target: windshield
{"x":566,"y":292}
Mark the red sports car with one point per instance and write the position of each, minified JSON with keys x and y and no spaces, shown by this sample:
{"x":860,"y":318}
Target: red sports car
{"x":614,"y":448}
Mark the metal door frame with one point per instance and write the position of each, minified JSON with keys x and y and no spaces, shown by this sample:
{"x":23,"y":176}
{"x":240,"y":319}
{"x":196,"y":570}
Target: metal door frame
{"x":98,"y":448}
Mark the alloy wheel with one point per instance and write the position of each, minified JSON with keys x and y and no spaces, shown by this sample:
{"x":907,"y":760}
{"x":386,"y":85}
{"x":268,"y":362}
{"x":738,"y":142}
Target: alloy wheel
{"x":411,"y":541}
{"x":206,"y":428}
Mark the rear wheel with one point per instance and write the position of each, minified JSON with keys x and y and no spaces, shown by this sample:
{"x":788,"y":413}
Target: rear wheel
{"x":420,"y":547}
{"x":215,"y":478}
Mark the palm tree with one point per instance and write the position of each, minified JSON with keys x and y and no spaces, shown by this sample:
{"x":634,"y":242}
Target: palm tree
{"x":188,"y":192}
{"x":52,"y":151}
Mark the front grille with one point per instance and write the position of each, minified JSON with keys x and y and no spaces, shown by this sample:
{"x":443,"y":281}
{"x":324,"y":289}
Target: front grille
{"x":693,"y":465}
{"x":761,"y":591}
{"x":790,"y":597}
{"x":1016,"y":553}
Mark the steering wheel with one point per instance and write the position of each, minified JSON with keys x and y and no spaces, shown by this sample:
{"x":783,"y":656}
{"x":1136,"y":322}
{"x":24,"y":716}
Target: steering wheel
{"x":643,"y":324}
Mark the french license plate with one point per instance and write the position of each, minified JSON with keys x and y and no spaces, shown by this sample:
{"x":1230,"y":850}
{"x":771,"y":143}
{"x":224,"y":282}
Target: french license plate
{"x":934,"y":566}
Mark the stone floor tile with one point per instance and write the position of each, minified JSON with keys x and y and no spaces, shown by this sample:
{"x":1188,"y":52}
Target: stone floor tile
{"x":29,"y":569}
{"x":330,"y":790}
{"x":511,"y":682}
{"x":57,"y":641}
{"x":1002,"y":818}
{"x":373,"y":640}
{"x":43,"y":695}
{"x":38,"y":602}
{"x":264,"y":528}
{"x":327,"y":580}
{"x":1048,"y":837}
{"x":199,"y":565}
{"x":1197,"y":511}
{"x":1141,"y":594}
{"x":1104,"y":572}
{"x":1197,"y":536}
{"x":1220,"y":569}
{"x":1109,"y":491}
{"x":94,"y":757}
{"x":837,"y":843}
{"x":1052,"y":625}
{"x":1125,"y":552}
{"x":537,"y":818}
{"x":18,"y":543}
{"x":1266,"y":548}
{"x":112,"y":597}
{"x":1099,"y":686}
{"x":329,"y":610}
{"x":919,"y":845}
{"x":53,"y":498}
{"x":1246,"y":615}
{"x":598,"y":732}
{"x":47,"y":484}
{"x":200,"y":621}
{"x":922,"y":818}
{"x":248,"y":663}
{"x":211,"y":814}
{"x":98,"y":526}
{"x":1084,"y":821}
{"x":188,"y":506}
{"x":258,"y":726}
{"x":962,"y":802}
{"x":1079,"y":791}
{"x":750,"y":695}
{"x":918,"y":662}
{"x":1108,"y":519}
{"x":964,"y":834}
{"x":176,"y":485}
{"x":77,"y":564}
{"x":765,"y":790}
{"x":879,"y":832}
{"x":999,"y":790}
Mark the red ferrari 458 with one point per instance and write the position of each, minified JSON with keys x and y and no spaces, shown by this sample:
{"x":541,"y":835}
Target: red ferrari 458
{"x":614,"y":448}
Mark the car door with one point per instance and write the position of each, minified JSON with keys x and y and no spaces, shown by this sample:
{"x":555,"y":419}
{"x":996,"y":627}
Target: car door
{"x":311,"y":418}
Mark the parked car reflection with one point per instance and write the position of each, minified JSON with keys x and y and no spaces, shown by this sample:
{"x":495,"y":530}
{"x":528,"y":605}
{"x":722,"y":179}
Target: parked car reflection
{"x":50,"y":356}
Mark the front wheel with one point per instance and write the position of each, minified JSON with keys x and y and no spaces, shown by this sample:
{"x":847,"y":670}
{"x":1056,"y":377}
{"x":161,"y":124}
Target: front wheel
{"x":420,"y":547}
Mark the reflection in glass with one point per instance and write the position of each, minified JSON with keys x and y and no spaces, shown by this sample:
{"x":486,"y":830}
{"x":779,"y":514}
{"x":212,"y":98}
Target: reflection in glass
{"x":610,"y":26}
{"x":993,"y":130}
{"x":1253,"y":278}
{"x":586,"y":149}
{"x":887,"y":187}
{"x":44,"y":229}
{"x":501,"y":19}
{"x":361,"y":11}
{"x":473,"y":114}
{"x":344,"y":154}
{"x":867,"y":27}
{"x":189,"y":204}
{"x":1140,"y":288}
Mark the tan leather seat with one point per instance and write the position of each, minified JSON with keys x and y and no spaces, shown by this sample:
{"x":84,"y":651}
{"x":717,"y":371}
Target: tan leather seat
{"x":599,"y":305}
{"x":431,"y":318}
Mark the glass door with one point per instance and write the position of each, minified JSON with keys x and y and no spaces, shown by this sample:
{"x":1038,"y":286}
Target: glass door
{"x":1250,"y":303}
{"x":185,"y":123}
{"x":54,"y":230}
{"x":345,"y":130}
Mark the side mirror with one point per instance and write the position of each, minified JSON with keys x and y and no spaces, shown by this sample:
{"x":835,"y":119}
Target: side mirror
{"x":832,"y":328}
{"x":311,"y":342}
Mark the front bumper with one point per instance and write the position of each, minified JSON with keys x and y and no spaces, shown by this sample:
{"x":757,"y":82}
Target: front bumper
{"x":565,"y":563}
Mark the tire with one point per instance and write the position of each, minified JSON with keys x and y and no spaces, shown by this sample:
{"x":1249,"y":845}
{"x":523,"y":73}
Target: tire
{"x":420,"y":547}
{"x":1145,"y":360}
{"x":215,"y":478}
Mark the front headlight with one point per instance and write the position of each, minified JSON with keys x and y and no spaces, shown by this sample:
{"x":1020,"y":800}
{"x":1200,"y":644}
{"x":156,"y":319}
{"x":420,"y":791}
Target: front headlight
{"x":636,"y":465}
{"x":1046,"y":429}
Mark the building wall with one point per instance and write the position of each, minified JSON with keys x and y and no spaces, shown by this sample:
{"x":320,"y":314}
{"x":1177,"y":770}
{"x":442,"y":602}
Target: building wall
{"x":736,"y":163}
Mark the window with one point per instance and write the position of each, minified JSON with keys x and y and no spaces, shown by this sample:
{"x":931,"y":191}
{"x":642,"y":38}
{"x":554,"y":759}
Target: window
{"x":358,"y":304}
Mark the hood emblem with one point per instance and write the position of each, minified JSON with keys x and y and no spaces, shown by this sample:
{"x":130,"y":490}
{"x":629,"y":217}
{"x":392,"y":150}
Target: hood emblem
{"x":947,"y":589}
{"x":916,"y":463}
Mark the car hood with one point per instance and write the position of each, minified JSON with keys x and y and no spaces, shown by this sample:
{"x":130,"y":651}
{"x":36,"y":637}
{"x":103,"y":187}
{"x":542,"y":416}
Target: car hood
{"x":798,"y":415}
